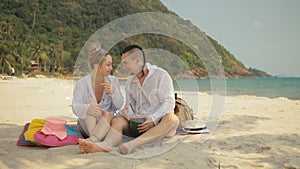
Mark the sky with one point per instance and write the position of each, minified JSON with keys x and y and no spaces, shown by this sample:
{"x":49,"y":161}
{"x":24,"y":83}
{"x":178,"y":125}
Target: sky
{"x":262,"y":34}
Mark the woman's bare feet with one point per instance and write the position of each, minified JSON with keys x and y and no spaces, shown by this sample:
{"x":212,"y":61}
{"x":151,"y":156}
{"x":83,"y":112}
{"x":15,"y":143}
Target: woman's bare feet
{"x":86,"y":146}
{"x":92,"y":139}
{"x":81,"y":145}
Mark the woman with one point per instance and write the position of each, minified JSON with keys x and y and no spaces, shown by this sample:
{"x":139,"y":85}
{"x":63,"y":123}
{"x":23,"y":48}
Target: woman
{"x":97,"y":96}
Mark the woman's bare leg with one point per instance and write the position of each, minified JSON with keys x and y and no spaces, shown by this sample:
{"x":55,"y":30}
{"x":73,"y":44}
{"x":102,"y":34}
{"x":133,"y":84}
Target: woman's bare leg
{"x":103,"y":125}
{"x":113,"y":137}
{"x":90,"y":122}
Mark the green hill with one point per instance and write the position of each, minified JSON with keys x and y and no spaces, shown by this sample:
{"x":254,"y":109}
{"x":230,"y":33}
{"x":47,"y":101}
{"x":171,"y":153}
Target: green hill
{"x":52,"y":33}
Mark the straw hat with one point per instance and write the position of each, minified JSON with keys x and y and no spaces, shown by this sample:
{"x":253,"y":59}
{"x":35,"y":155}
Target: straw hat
{"x":194,"y":125}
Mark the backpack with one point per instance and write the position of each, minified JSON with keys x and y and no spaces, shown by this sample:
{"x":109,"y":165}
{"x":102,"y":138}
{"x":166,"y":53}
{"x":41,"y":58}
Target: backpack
{"x":183,"y":111}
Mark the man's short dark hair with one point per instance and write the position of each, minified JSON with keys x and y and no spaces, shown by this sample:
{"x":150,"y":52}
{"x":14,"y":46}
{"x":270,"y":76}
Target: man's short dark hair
{"x":130,"y":47}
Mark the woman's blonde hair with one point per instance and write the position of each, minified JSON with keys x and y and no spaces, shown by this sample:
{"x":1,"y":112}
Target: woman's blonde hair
{"x":96,"y":55}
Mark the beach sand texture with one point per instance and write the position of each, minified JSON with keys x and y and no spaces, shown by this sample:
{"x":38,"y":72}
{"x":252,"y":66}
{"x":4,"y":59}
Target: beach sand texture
{"x":254,"y":132}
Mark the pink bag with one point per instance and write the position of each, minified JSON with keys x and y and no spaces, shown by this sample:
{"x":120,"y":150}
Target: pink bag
{"x":53,"y":141}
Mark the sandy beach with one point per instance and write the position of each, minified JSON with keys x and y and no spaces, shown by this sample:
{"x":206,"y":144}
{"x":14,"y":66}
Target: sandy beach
{"x":254,"y":132}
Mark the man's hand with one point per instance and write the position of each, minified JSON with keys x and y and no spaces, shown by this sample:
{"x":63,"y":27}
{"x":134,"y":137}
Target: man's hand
{"x":148,"y":124}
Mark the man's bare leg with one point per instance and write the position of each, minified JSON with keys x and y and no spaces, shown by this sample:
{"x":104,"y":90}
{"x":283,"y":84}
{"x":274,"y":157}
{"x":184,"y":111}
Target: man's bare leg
{"x":166,"y":127}
{"x":113,"y":137}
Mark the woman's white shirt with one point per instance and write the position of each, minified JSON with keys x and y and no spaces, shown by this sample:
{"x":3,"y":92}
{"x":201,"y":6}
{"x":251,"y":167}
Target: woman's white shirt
{"x":83,"y":91}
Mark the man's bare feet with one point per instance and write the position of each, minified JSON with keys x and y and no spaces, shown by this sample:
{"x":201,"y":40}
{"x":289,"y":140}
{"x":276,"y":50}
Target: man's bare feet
{"x":86,"y":146}
{"x":124,"y":149}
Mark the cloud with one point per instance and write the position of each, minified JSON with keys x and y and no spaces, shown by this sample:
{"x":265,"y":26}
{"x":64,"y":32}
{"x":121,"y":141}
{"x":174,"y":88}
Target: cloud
{"x":257,"y":24}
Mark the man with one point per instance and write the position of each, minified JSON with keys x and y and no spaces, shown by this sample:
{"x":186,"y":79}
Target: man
{"x":149,"y":92}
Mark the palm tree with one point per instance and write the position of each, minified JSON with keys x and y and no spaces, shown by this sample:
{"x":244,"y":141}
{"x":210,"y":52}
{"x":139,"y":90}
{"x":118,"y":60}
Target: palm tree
{"x":6,"y":36}
{"x":53,"y":55}
{"x":37,"y":53}
{"x":56,"y":55}
{"x":44,"y":59}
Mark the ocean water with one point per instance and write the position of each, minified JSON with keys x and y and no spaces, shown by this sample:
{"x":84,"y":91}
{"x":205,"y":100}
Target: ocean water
{"x":266,"y":87}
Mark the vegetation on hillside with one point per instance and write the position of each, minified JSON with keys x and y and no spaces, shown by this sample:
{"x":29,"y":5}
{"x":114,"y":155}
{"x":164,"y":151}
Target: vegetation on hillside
{"x":45,"y":36}
{"x":258,"y":73}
